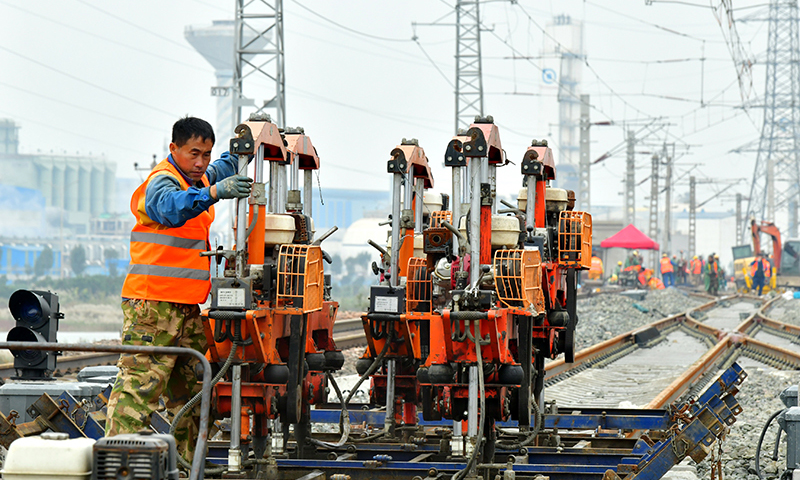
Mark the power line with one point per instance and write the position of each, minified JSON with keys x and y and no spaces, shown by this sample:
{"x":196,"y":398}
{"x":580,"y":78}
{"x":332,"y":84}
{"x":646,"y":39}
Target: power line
{"x":344,"y":27}
{"x":80,"y":107}
{"x":171,"y":60}
{"x":86,"y":82}
{"x":138,"y":27}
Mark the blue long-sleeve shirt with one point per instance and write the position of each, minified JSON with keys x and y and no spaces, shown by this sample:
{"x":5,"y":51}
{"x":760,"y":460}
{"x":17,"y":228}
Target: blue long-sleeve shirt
{"x":166,"y":203}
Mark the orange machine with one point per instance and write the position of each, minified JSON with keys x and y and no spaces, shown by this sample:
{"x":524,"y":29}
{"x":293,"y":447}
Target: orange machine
{"x":486,"y":301}
{"x":392,"y":334}
{"x":271,"y":317}
{"x":756,"y":229}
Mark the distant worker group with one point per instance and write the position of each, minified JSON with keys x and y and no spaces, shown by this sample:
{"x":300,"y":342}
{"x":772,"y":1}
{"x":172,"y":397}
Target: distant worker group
{"x":699,"y":271}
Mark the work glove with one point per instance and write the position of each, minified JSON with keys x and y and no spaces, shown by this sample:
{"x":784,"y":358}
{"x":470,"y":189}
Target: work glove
{"x":236,"y":186}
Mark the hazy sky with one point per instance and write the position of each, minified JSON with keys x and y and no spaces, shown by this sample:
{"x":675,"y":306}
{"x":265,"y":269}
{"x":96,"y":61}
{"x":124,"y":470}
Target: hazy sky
{"x":111,"y":77}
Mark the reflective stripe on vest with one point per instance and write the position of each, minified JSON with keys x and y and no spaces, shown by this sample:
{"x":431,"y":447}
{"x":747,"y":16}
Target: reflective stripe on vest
{"x":666,"y":265}
{"x":170,"y":241}
{"x":165,"y":262}
{"x":172,"y":272}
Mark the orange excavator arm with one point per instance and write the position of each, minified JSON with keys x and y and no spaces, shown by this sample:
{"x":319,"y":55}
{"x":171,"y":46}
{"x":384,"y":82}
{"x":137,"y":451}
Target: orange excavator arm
{"x":770,"y":229}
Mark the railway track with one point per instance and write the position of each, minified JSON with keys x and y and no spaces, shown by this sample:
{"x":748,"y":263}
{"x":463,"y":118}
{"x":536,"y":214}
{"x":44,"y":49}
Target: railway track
{"x":675,"y":357}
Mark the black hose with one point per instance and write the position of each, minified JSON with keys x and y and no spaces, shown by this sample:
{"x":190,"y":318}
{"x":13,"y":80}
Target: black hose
{"x":191,"y":403}
{"x":761,"y":441}
{"x":375,"y":364}
{"x":539,"y":420}
{"x":345,"y":416}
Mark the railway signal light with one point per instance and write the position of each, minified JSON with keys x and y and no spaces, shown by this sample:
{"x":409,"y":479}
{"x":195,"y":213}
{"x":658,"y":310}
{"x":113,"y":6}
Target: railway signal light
{"x":37,"y":314}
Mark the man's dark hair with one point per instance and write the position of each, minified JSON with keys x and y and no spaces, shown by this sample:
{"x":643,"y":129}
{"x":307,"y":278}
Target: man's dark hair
{"x":188,"y":127}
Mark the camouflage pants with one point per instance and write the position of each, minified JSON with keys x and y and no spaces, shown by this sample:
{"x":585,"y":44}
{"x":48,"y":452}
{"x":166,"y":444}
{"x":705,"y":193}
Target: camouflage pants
{"x":143,"y":378}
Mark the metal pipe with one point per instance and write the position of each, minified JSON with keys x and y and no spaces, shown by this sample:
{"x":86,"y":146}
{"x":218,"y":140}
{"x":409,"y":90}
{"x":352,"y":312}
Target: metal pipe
{"x":455,"y":202}
{"x":472,"y":408}
{"x":388,"y":420}
{"x":283,"y":187}
{"x":418,"y":204}
{"x":408,"y":191}
{"x":198,"y":461}
{"x":475,"y":222}
{"x":530,"y":208}
{"x":295,"y":177}
{"x":234,"y":451}
{"x":273,"y":187}
{"x":259,"y":175}
{"x":396,"y":192}
{"x":241,"y":224}
{"x":493,"y":183}
{"x":308,"y":189}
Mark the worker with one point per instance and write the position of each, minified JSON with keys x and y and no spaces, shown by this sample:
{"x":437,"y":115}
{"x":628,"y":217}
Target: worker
{"x":667,"y":271}
{"x":696,"y":270}
{"x":633,"y":259}
{"x":596,"y":270}
{"x":168,"y":278}
{"x":723,"y":282}
{"x":711,"y":272}
{"x":618,"y":269}
{"x":681,"y":269}
{"x":760,"y":272}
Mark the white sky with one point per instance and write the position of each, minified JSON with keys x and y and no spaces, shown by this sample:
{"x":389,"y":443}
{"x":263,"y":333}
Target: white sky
{"x":111,"y":77}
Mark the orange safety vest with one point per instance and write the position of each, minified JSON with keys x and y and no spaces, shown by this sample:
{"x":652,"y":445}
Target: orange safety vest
{"x":165,"y":262}
{"x":697,"y":266}
{"x":597,"y":265}
{"x":764,"y":264}
{"x":666,"y":265}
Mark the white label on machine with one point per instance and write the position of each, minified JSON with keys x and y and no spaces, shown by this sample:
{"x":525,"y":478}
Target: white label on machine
{"x":386,"y":304}
{"x":230,"y":297}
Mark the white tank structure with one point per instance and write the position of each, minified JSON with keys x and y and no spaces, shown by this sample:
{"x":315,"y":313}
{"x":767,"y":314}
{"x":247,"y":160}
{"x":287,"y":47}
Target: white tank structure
{"x":215,"y":44}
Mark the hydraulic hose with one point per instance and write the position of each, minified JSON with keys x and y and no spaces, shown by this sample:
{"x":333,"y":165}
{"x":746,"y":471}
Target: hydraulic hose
{"x":191,"y":403}
{"x":345,"y":414}
{"x":761,"y":441}
{"x":345,"y":418}
{"x":528,"y":440}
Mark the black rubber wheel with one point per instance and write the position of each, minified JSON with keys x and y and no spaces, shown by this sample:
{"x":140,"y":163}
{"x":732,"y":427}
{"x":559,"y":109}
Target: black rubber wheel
{"x":441,"y":373}
{"x":510,"y":374}
{"x":334,"y":360}
{"x":316,"y":361}
{"x":362,"y":365}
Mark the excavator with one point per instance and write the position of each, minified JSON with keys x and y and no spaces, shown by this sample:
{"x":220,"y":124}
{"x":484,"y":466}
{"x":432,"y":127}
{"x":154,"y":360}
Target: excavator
{"x":785,"y":259}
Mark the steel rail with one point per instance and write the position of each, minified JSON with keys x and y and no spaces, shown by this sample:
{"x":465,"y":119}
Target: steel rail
{"x":709,"y":362}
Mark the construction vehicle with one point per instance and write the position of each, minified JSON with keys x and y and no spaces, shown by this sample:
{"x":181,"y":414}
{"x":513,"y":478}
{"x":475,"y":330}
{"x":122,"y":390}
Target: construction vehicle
{"x":271,"y":316}
{"x":785,"y":259}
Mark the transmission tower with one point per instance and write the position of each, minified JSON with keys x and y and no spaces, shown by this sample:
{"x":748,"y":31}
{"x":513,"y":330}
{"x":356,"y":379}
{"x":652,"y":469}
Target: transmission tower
{"x":259,"y":60}
{"x":469,"y":79}
{"x":653,"y":217}
{"x":777,"y":170}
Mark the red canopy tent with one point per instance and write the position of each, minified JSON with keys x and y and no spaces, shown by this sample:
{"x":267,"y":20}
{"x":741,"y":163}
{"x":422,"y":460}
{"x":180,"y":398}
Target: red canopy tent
{"x":630,"y":237}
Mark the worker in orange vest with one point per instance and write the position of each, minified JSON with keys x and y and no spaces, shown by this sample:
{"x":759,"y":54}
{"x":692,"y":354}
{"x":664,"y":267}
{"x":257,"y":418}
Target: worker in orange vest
{"x":596,"y":270}
{"x":696,"y":269}
{"x":168,"y":278}
{"x":667,"y":271}
{"x":760,"y":272}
